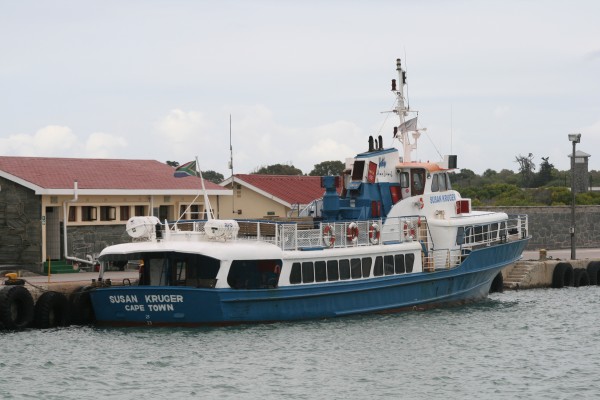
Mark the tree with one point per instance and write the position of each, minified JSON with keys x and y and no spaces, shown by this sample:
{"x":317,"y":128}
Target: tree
{"x":526,"y":168}
{"x":277,"y":169}
{"x":545,"y":175}
{"x":213,"y":176}
{"x":328,"y":168}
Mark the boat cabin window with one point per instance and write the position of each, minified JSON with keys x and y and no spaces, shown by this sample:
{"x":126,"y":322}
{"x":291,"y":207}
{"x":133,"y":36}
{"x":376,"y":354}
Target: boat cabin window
{"x":355,"y":268}
{"x":358,"y":170}
{"x":255,"y":274}
{"x":394,"y":264}
{"x":404,"y":180}
{"x":438,"y":183}
{"x":170,"y":268}
{"x":417,"y":181}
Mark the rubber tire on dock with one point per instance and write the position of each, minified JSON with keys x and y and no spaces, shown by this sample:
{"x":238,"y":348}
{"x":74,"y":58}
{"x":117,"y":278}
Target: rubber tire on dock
{"x":16,"y":307}
{"x":562,"y":275}
{"x":52,"y":310}
{"x":82,"y":312}
{"x":593,"y":270}
{"x":497,"y":284}
{"x":580,"y":277}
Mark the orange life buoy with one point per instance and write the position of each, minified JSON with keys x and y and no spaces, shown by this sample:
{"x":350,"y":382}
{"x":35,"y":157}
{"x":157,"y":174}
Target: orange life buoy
{"x":352,"y":232}
{"x":328,"y":236}
{"x":374,"y":233}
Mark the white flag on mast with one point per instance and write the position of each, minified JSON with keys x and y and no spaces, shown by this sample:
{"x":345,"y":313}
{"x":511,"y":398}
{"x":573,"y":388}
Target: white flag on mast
{"x":408,"y":126}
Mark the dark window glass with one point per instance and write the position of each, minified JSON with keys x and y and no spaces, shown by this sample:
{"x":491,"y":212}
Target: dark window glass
{"x":308,"y":272}
{"x":448,"y":184}
{"x":355,"y":268}
{"x":409,"y":261}
{"x":332,"y":270}
{"x":124,"y":213}
{"x":494,"y":231}
{"x":344,"y":269}
{"x":296,"y":274}
{"x":366,"y":266}
{"x":358,"y":170}
{"x":378,"y":270}
{"x":400,"y":264}
{"x":320,"y":271}
{"x":388,"y":265}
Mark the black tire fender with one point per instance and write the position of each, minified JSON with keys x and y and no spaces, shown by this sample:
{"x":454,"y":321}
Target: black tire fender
{"x":16,"y":307}
{"x":562,"y":275}
{"x":52,"y":310}
{"x":580,"y":277}
{"x":497,"y":283}
{"x":593,"y":270}
{"x":82,"y":312}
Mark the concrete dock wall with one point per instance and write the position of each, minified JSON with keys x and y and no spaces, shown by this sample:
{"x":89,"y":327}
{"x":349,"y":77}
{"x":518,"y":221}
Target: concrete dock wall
{"x":550,"y":226}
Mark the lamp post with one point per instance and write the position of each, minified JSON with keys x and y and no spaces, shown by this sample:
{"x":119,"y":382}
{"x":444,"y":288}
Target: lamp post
{"x":574,"y":138}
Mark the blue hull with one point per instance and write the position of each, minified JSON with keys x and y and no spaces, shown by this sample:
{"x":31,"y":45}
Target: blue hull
{"x":187,"y":306}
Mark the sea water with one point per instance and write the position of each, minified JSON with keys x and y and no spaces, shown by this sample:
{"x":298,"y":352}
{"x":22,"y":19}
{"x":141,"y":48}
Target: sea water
{"x":534,"y":344}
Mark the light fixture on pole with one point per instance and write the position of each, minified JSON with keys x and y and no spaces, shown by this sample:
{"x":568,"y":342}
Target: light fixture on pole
{"x":574,"y":138}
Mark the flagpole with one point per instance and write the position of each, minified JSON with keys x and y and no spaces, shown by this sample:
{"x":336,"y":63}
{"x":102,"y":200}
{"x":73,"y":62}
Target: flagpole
{"x":209,"y":211}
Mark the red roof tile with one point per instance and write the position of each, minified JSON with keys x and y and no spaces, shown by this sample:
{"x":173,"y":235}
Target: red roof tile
{"x":60,"y":173}
{"x":289,"y":188}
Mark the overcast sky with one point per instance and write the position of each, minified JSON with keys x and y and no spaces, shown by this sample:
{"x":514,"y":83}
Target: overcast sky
{"x":304,"y":81}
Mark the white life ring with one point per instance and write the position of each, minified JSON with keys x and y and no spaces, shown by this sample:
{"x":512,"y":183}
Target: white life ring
{"x":352,"y":233}
{"x":409,"y":230}
{"x":328,"y":236}
{"x":374,"y":233}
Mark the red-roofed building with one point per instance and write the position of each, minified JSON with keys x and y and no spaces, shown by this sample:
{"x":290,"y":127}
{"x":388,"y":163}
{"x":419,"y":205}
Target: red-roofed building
{"x":97,"y":196}
{"x":259,"y":196}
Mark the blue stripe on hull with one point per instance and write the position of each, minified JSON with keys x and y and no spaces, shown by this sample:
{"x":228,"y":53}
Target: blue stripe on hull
{"x":177,"y":305}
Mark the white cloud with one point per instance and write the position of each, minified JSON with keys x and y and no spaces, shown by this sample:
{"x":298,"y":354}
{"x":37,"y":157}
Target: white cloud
{"x":105,"y":145}
{"x":49,"y":141}
{"x":61,"y":141}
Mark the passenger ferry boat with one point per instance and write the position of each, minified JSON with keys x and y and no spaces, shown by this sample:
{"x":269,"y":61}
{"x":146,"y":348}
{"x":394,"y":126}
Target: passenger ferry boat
{"x":392,"y":236}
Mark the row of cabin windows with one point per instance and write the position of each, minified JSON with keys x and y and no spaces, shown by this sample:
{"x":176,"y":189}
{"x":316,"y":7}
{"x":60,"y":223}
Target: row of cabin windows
{"x":354,"y":268}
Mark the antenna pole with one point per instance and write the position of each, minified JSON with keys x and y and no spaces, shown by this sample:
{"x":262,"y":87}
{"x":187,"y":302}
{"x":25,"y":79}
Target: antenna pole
{"x":231,"y":168}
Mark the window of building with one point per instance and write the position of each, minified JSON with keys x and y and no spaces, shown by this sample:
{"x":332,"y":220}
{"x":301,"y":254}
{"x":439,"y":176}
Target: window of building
{"x":72,"y":214}
{"x":89,"y":213}
{"x":140,"y":211}
{"x":108,"y":213}
{"x":124,"y":213}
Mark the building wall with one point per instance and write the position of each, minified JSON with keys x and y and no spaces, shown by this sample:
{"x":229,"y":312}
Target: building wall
{"x":251,"y":204}
{"x":20,"y":225}
{"x":550,"y":226}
